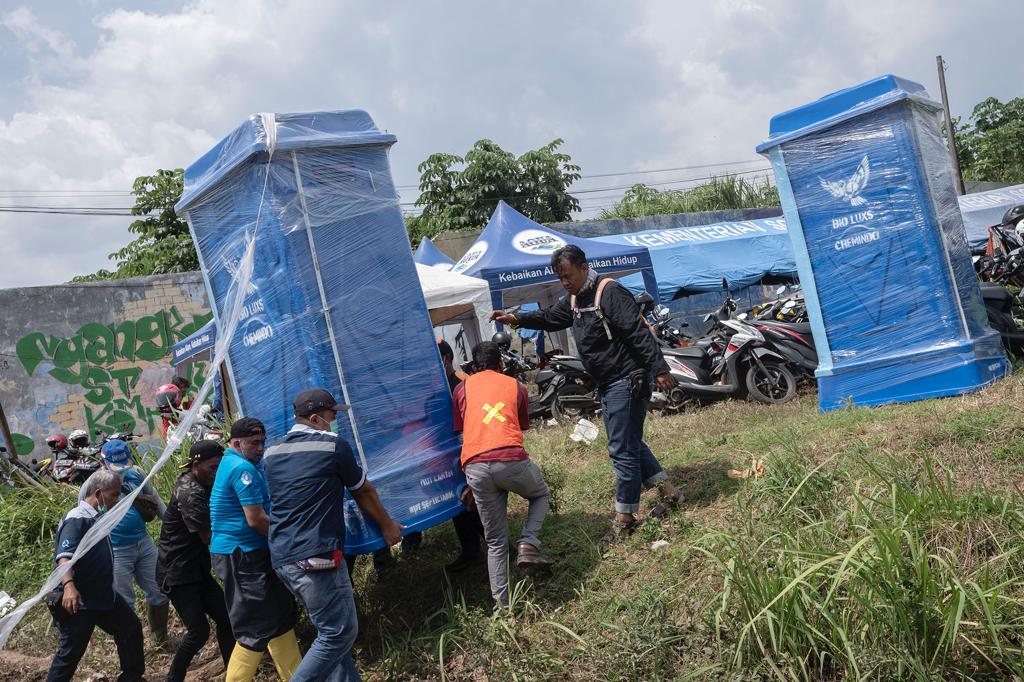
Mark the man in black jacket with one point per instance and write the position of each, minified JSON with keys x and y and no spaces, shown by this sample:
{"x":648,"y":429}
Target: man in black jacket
{"x":619,"y":351}
{"x":183,"y":569}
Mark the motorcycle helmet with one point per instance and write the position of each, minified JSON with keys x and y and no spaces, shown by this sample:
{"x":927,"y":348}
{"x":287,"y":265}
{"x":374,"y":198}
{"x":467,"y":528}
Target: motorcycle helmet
{"x":168,"y":397}
{"x":57,"y":441}
{"x":1013,"y":215}
{"x":78,"y":438}
{"x":646,"y":302}
{"x":503,"y":340}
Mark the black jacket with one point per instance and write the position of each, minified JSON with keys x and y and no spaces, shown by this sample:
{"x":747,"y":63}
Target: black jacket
{"x":631,"y":347}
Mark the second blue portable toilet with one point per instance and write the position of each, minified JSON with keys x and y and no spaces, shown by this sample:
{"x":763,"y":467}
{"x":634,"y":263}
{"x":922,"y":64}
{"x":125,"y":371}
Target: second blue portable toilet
{"x":894,"y":304}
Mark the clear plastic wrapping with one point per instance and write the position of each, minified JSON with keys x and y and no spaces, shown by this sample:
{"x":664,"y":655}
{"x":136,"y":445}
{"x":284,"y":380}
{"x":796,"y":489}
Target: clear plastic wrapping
{"x":334,"y":302}
{"x":880,"y":247}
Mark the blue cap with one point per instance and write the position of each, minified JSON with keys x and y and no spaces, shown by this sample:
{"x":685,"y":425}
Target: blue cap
{"x":117,"y":455}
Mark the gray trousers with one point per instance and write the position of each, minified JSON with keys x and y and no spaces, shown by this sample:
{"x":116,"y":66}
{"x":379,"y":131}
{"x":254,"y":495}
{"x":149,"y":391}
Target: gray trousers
{"x":491,"y":482}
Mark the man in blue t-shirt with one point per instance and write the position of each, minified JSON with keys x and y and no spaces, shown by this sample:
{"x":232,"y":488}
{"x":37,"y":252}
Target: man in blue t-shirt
{"x":86,"y":597}
{"x":135,"y":554}
{"x":308,"y":472}
{"x":261,"y":609}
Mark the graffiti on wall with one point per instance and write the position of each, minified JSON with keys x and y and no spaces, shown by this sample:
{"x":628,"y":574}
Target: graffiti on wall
{"x":108,"y":362}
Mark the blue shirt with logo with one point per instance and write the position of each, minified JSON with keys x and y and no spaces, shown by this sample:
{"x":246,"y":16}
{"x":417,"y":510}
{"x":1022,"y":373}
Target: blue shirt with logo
{"x":239,"y":482}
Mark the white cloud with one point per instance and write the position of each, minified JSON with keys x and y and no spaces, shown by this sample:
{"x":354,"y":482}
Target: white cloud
{"x":629,"y":86}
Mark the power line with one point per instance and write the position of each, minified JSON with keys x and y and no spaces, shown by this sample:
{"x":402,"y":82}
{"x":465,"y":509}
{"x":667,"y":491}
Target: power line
{"x":643,"y":172}
{"x":617,"y":187}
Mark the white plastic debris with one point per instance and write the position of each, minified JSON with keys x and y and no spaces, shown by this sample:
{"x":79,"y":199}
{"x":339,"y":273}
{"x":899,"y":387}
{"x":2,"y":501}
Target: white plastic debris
{"x":7,"y":603}
{"x":551,"y":422}
{"x":659,"y":544}
{"x":585,"y":432}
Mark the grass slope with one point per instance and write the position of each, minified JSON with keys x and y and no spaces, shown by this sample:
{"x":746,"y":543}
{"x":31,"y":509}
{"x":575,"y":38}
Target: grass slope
{"x":880,"y":544}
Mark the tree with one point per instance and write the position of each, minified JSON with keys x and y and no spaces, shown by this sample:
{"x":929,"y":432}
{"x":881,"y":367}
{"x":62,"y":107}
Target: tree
{"x":164,"y":244}
{"x":460,"y":193}
{"x":991,"y":145}
{"x":718,"y":194}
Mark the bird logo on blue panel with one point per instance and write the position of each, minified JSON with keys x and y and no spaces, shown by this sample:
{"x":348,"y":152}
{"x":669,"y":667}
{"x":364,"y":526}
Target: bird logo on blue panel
{"x":849,"y":190}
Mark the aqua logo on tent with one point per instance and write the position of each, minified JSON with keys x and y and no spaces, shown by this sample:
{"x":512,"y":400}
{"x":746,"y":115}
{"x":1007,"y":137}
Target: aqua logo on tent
{"x":537,"y":242}
{"x":475,"y":253}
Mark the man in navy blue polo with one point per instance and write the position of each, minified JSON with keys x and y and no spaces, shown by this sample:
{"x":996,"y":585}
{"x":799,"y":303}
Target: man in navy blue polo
{"x":307,"y":473}
{"x":86,"y":597}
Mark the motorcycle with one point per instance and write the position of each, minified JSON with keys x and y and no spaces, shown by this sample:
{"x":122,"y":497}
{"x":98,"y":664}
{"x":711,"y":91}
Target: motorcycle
{"x":793,"y":341}
{"x":999,"y":305}
{"x":205,"y":426}
{"x":564,"y":389}
{"x":660,"y":320}
{"x":735,"y":361}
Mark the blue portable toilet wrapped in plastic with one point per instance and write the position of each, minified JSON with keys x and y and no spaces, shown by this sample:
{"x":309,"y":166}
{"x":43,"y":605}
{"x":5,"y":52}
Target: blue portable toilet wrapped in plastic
{"x":334,"y":301}
{"x":893,"y":301}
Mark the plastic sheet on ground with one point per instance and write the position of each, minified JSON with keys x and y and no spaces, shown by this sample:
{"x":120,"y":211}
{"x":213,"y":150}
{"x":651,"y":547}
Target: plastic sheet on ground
{"x":893,"y":301}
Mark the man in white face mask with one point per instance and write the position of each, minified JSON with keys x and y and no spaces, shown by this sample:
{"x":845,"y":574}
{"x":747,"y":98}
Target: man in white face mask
{"x":308,"y":472}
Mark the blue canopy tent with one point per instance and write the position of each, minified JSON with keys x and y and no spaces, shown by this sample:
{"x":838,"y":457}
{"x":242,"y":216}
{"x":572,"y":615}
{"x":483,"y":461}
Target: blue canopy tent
{"x":427,"y":253}
{"x":982,"y":210}
{"x":513,"y":254}
{"x":696,"y":259}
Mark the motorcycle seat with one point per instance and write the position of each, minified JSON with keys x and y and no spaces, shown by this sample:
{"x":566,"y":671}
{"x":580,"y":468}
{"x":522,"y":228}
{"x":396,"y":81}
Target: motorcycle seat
{"x":802,"y":328}
{"x":688,"y":352}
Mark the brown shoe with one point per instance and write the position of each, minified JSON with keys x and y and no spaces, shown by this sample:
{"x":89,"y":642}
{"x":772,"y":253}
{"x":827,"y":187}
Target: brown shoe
{"x":668,"y":503}
{"x":531,"y":557}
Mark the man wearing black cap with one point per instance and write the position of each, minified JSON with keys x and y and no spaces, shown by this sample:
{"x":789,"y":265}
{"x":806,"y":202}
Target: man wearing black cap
{"x":183,"y":568}
{"x":308,"y":472}
{"x":261,"y":609}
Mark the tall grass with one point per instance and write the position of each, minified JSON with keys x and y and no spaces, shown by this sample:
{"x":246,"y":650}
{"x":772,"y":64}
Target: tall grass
{"x":895,"y":574}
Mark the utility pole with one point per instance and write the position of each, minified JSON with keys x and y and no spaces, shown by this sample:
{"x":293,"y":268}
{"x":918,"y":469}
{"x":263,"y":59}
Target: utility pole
{"x":954,"y":158}
{"x":5,"y":431}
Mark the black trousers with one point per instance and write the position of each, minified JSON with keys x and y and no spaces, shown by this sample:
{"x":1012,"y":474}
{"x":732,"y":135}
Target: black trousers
{"x":259,"y":606}
{"x":120,"y":622}
{"x":194,"y":602}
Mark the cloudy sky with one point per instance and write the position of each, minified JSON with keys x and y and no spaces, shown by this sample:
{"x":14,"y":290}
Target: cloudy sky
{"x":96,"y":92}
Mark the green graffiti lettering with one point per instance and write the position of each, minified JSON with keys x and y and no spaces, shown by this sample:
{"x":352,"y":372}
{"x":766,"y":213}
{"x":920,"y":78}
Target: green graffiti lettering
{"x":127,"y":379}
{"x":97,"y":386}
{"x":124,"y":340}
{"x":33,"y":348}
{"x":87,"y":359}
{"x":147,"y":330}
{"x":99,"y":343}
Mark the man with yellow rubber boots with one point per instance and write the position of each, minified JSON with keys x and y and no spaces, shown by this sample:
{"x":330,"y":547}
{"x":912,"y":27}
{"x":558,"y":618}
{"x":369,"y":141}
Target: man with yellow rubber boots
{"x":261,"y":609}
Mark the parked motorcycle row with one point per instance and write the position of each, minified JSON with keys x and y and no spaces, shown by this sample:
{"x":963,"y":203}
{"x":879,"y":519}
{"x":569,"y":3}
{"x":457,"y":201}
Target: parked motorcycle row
{"x":1001,"y":271}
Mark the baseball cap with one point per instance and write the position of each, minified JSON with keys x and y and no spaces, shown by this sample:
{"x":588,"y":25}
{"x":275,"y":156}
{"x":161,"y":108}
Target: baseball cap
{"x":202,"y":451}
{"x":311,"y":400}
{"x":246,"y":427}
{"x":117,"y":455}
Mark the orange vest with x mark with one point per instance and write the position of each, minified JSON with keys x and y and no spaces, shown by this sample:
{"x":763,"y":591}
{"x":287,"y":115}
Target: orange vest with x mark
{"x":492,"y":414}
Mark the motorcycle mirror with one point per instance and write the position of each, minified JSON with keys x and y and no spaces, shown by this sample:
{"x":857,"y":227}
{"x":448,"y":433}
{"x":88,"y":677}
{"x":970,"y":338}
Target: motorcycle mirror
{"x":725,"y":284}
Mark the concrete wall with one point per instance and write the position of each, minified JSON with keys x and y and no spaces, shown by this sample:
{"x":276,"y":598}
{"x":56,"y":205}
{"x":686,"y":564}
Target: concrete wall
{"x":88,"y":356}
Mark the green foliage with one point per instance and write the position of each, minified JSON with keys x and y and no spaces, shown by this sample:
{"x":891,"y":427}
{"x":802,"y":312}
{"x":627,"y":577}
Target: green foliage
{"x":460,"y":193}
{"x":164,"y":244}
{"x":718,"y":194}
{"x":991,"y":145}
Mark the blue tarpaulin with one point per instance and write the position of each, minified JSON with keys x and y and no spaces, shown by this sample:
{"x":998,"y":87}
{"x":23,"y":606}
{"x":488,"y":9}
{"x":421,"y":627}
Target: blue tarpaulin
{"x":334,"y":301}
{"x":427,"y":253}
{"x":513,"y":254}
{"x":696,"y":259}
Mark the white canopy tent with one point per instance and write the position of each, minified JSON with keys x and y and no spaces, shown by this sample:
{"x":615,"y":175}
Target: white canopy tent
{"x":459,"y":306}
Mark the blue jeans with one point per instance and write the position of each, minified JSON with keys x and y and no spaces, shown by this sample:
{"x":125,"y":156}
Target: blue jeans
{"x":327,"y":596}
{"x":137,"y":560}
{"x":634,"y":463}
